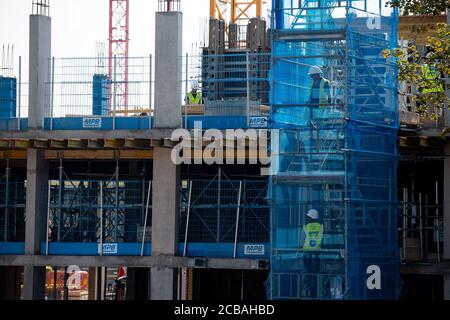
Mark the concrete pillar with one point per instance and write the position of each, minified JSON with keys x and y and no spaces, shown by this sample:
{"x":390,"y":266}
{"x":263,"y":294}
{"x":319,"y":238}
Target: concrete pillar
{"x":166,"y":184}
{"x":168,"y":69}
{"x":40,"y":54}
{"x":92,"y":286}
{"x":447,"y":203}
{"x":447,"y":287}
{"x":166,"y":175}
{"x":35,"y":221}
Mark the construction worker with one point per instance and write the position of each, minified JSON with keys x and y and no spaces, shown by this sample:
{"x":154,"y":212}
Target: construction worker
{"x":320,"y":88}
{"x":429,"y":72}
{"x":313,"y":230}
{"x":194,"y":97}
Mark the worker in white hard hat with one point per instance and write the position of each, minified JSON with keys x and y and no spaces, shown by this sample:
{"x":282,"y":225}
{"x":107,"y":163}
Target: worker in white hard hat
{"x":313,"y":230}
{"x":320,"y":87}
{"x":194,"y":97}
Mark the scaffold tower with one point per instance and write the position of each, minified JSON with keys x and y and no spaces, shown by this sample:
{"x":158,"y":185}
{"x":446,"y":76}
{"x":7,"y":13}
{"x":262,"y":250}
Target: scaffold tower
{"x":333,"y":187}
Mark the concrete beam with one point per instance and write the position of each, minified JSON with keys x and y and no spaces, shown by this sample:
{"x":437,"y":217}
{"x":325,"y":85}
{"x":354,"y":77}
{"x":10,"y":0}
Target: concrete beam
{"x":88,"y":134}
{"x":161,"y":261}
{"x":425,"y":269}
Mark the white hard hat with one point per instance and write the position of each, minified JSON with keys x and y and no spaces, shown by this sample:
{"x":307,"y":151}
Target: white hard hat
{"x":315,"y":70}
{"x":313,"y":214}
{"x":195,"y":85}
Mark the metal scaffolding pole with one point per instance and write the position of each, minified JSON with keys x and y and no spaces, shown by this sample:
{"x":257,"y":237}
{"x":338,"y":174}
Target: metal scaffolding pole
{"x":238,"y":211}
{"x":188,"y":216}
{"x":219,"y":194}
{"x":146,"y":216}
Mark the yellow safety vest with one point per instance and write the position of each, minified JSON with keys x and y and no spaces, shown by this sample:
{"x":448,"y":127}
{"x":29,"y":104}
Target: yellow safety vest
{"x":314,"y":236}
{"x":323,"y":95}
{"x":194,"y":100}
{"x":431,"y":74}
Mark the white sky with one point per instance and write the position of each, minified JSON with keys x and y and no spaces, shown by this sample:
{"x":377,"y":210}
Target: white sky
{"x":78,"y":25}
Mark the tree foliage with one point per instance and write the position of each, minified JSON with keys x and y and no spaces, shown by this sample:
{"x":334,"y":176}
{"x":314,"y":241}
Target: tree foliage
{"x":422,"y":7}
{"x":410,"y":62}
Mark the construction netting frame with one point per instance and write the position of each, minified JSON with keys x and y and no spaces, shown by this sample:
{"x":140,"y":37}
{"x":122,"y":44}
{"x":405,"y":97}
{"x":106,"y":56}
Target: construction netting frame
{"x":335,"y":152}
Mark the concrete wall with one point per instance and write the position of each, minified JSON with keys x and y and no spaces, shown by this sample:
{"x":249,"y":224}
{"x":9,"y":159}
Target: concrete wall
{"x":168,"y":69}
{"x":40,"y":54}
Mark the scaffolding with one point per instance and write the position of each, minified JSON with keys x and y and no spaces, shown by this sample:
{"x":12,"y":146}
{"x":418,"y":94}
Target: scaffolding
{"x":223,"y":211}
{"x":335,"y":151}
{"x":12,"y":207}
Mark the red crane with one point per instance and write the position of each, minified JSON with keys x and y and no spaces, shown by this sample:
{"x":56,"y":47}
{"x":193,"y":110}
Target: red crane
{"x":119,"y":22}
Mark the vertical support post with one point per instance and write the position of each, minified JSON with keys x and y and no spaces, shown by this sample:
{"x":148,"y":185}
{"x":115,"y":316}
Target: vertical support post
{"x":248,"y":86}
{"x":405,"y":221}
{"x":114,"y":92}
{"x":101,"y":219}
{"x":212,"y":9}
{"x":219,"y":194}
{"x":150,"y":90}
{"x":165,"y":213}
{"x":188,"y":216}
{"x":436,"y":224}
{"x":259,"y":8}
{"x":166,"y":175}
{"x":146,"y":217}
{"x":7,"y":178}
{"x":36,"y":201}
{"x":186,"y":88}
{"x":168,"y":69}
{"x":19,"y":95}
{"x":60,"y":197}
{"x":39,"y":68}
{"x":52,"y":94}
{"x":236,"y":233}
{"x":48,"y":217}
{"x":116,"y":200}
{"x":421,"y":227}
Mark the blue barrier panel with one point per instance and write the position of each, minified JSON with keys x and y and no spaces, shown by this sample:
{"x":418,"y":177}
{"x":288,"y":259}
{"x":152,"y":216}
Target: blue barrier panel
{"x":12,"y":248}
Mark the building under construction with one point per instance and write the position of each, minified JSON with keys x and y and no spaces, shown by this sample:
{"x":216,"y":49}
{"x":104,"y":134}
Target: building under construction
{"x":88,"y":185}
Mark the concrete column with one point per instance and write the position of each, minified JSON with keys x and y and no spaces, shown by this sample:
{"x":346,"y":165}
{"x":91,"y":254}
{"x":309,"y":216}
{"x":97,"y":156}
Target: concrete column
{"x":92,"y":286}
{"x":166,"y":175}
{"x":168,"y":69}
{"x":447,"y":287}
{"x":166,"y":184}
{"x":447,"y":203}
{"x":40,"y":54}
{"x":35,"y":221}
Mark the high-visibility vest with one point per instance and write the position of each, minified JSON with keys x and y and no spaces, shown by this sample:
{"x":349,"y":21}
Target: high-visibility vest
{"x":430,"y":73}
{"x":323,"y":94}
{"x":194,"y":100}
{"x":314,"y":236}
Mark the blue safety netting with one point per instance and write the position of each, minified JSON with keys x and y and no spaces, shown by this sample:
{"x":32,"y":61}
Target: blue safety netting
{"x":336,"y":153}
